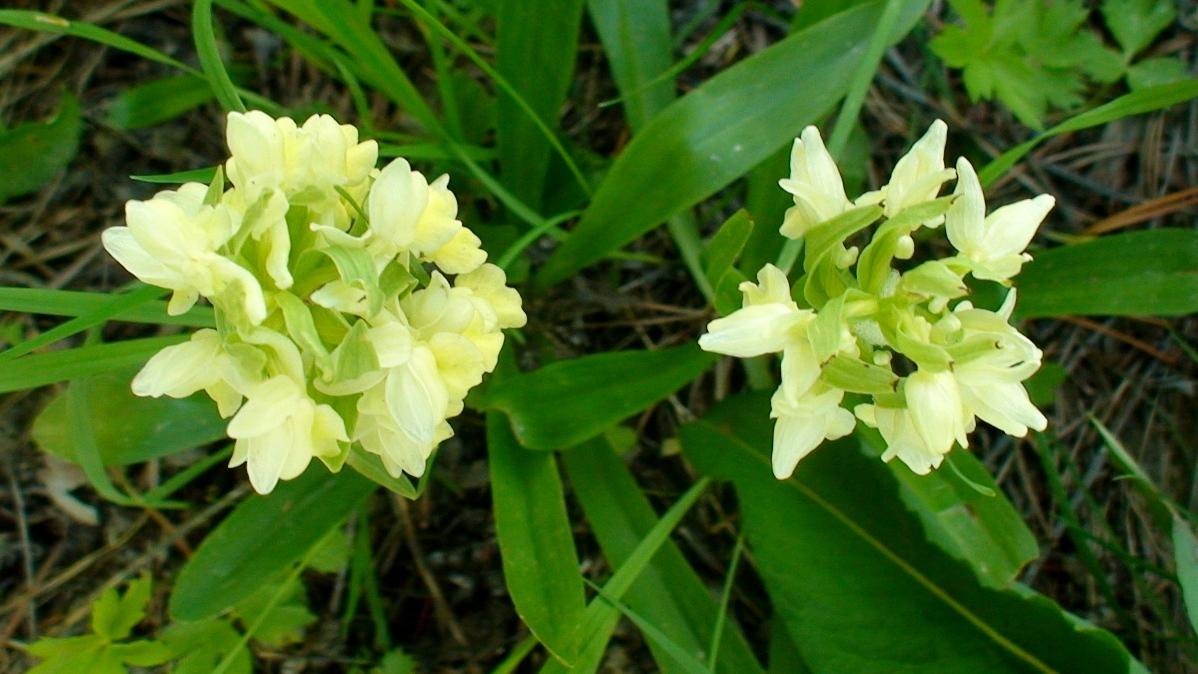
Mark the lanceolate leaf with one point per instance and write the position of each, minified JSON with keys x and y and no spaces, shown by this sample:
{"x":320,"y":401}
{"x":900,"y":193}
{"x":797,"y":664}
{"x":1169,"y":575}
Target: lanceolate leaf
{"x":669,"y":594}
{"x":535,"y":53}
{"x":540,"y":563}
{"x":636,"y":39}
{"x":851,"y":572}
{"x":717,"y":132}
{"x":1146,"y":273}
{"x":35,"y":153}
{"x":130,"y":429}
{"x":262,"y":537}
{"x":567,"y":402}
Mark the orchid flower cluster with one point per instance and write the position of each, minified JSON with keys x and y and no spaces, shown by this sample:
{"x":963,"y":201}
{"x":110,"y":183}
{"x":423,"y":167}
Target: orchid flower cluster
{"x":337,"y":329}
{"x":866,"y":325}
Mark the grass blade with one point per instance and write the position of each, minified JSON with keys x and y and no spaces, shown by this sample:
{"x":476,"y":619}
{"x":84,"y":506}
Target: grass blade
{"x":77,"y":303}
{"x":209,"y":53}
{"x":48,"y":368}
{"x":117,"y":304}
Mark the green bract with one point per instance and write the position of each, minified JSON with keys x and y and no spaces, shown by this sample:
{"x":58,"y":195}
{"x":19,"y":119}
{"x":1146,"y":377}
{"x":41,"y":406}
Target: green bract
{"x":962,"y":363}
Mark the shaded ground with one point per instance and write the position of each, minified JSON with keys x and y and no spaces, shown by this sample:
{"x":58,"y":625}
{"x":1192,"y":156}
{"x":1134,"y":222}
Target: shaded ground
{"x":437,"y":558}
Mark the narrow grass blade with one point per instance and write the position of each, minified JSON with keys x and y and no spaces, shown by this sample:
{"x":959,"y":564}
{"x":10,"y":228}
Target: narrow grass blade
{"x":76,"y":303}
{"x":50,"y":23}
{"x":48,"y":368}
{"x":209,"y":53}
{"x":116,"y":305}
{"x":1135,"y":103}
{"x":669,"y":593}
{"x":601,"y":617}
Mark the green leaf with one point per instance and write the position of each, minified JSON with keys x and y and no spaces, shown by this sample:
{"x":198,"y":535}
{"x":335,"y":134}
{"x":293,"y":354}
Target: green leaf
{"x":725,"y":246}
{"x":766,"y":203}
{"x":1155,"y":72}
{"x":1135,"y":103}
{"x":157,"y":101}
{"x":75,"y":303}
{"x":50,"y":23}
{"x":534,"y":52}
{"x":536,"y":541}
{"x":282,"y":620}
{"x":35,"y":153}
{"x":116,"y":305}
{"x":851,"y":572}
{"x":200,"y":645}
{"x":47,"y":368}
{"x":371,"y":467}
{"x":237,"y":559}
{"x":1136,"y":23}
{"x":636,"y":39}
{"x":668,"y":594}
{"x":114,"y":616}
{"x":983,"y":529}
{"x":601,"y":617}
{"x":567,"y":402}
{"x":202,"y":175}
{"x":1145,"y":273}
{"x":716,"y":133}
{"x":857,"y":376}
{"x":209,"y":54}
{"x":1185,"y":555}
{"x":70,"y":656}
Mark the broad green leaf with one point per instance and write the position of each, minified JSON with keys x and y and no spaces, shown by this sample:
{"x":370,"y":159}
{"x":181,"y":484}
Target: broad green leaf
{"x":983,"y":529}
{"x":261,"y":538}
{"x":766,"y":203}
{"x":668,"y":594}
{"x":199,"y":646}
{"x":536,"y":541}
{"x":1144,"y":273}
{"x":35,"y":153}
{"x":851,"y":572}
{"x":76,"y":303}
{"x":636,"y":39}
{"x":157,"y":101}
{"x":47,"y":368}
{"x":534,"y":52}
{"x":784,"y":656}
{"x":280,"y":621}
{"x":567,"y":402}
{"x":601,"y":617}
{"x":1185,"y":556}
{"x":1127,"y":105}
{"x":716,"y":133}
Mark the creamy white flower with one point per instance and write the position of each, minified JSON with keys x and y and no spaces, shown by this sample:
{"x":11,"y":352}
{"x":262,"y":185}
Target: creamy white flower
{"x":804,"y":423}
{"x":934,"y":404}
{"x":992,"y":246}
{"x":489,"y":283}
{"x":172,"y":241}
{"x":902,"y":440}
{"x":279,"y":430}
{"x":306,"y":162}
{"x":815,"y":183}
{"x":918,"y":175}
{"x":397,"y":200}
{"x":765,"y":324}
{"x":224,"y":372}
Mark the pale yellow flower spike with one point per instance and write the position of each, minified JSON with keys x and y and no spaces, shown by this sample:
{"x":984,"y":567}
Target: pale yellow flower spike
{"x":969,"y":363}
{"x":404,"y":356}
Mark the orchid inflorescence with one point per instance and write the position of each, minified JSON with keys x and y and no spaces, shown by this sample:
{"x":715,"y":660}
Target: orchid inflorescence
{"x":962,"y":363}
{"x":335,"y":322}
